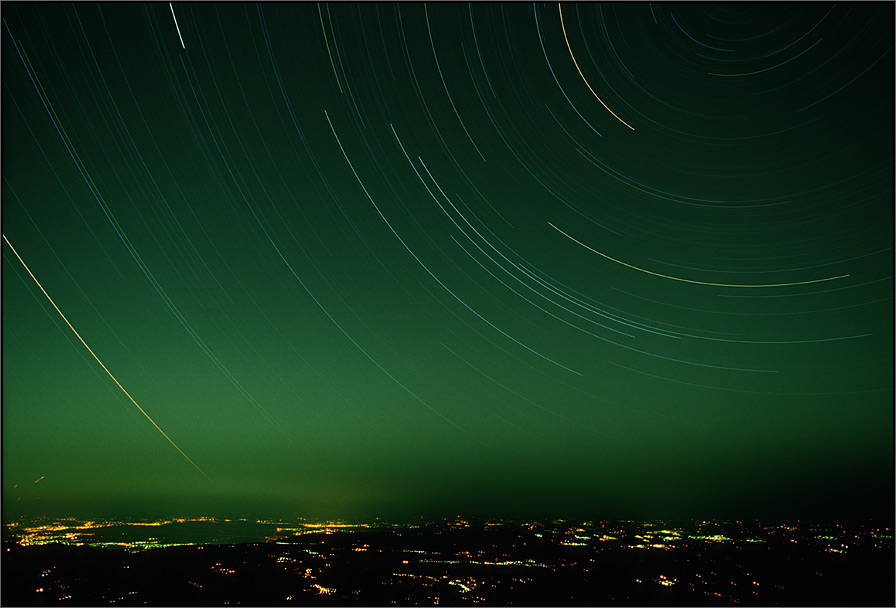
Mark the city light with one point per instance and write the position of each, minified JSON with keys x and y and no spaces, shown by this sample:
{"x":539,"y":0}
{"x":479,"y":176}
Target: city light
{"x":453,"y":561}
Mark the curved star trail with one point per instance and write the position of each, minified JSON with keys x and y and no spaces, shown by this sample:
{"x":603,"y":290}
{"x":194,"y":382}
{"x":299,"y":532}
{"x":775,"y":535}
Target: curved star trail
{"x":398,"y":259}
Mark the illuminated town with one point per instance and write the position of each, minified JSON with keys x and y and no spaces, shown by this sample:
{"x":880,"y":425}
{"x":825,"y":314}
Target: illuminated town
{"x":202,"y":561}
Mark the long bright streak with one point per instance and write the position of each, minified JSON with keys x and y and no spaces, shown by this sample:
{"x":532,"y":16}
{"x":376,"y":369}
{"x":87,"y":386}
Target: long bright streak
{"x":576,"y":63}
{"x":171,"y":6}
{"x":117,"y":383}
{"x":665,"y":276}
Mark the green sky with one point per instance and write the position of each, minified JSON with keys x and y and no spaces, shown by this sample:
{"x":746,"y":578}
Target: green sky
{"x":400,"y":260}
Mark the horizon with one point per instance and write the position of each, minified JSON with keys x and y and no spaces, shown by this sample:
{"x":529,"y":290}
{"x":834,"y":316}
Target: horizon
{"x":143,"y":534}
{"x":318,"y":522}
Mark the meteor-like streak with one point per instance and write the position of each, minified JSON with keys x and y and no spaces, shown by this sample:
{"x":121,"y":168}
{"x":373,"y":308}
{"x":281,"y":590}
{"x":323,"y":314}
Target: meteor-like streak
{"x":173,"y":16}
{"x":117,"y":383}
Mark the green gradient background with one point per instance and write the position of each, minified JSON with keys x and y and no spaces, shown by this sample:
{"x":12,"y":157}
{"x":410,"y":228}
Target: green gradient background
{"x":210,"y":182}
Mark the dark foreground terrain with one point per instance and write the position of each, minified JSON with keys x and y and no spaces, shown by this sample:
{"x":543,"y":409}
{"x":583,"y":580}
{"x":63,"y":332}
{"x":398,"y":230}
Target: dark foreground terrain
{"x":529,"y":565}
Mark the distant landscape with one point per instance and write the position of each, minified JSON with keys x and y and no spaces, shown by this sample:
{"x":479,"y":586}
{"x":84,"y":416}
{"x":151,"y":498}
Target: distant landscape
{"x":446,"y":562}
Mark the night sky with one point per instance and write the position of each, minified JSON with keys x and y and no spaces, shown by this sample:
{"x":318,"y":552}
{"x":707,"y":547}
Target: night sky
{"x":619,"y":260}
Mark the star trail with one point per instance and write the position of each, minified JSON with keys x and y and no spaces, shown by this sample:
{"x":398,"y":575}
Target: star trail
{"x":599,"y":260}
